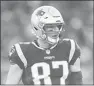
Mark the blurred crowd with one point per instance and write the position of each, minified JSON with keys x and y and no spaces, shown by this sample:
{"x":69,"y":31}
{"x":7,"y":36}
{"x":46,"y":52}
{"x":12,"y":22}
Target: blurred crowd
{"x":16,"y":27}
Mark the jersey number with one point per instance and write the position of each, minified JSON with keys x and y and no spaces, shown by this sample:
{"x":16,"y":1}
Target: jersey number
{"x":46,"y":71}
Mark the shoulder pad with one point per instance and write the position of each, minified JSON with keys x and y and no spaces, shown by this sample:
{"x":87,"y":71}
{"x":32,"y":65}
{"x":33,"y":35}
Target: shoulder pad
{"x":16,"y":55}
{"x":74,"y":52}
{"x":12,"y":50}
{"x":67,"y":39}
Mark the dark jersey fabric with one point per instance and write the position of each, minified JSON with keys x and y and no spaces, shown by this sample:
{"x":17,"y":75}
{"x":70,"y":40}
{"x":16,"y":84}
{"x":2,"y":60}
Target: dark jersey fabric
{"x":42,"y":62}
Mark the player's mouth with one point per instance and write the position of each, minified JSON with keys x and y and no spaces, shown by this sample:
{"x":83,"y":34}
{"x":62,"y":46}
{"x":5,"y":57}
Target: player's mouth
{"x":54,"y":36}
{"x":52,"y":40}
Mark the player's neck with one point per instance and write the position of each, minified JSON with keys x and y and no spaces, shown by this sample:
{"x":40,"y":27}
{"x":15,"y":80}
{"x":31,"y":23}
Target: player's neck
{"x":43,"y":44}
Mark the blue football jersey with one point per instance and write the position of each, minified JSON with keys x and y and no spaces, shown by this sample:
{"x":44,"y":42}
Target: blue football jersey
{"x":44,"y":66}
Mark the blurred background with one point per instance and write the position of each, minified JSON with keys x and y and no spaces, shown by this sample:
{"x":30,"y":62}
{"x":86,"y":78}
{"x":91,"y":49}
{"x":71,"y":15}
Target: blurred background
{"x":16,"y":27}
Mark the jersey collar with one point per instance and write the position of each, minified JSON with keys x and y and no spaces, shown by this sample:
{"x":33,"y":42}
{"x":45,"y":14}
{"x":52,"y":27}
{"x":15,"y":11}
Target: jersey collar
{"x":36,"y":45}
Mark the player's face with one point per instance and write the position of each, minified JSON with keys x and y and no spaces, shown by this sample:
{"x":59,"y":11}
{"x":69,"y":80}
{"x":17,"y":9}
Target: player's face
{"x":52,"y":31}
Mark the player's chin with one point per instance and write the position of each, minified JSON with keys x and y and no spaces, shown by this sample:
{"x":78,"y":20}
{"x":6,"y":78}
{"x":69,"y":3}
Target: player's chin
{"x":52,"y":40}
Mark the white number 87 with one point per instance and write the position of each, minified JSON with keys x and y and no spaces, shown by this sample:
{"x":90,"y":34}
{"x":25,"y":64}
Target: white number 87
{"x":46,"y":71}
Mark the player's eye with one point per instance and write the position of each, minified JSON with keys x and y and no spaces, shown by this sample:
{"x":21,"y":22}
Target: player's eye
{"x":50,"y":28}
{"x":47,"y":28}
{"x":56,"y":29}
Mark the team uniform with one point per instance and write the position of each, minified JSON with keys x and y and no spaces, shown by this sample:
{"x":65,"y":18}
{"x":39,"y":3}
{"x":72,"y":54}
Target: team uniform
{"x":51,"y":66}
{"x":45,"y":66}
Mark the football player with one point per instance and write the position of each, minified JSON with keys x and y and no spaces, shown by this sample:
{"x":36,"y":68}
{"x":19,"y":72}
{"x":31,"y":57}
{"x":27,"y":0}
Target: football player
{"x":46,"y":60}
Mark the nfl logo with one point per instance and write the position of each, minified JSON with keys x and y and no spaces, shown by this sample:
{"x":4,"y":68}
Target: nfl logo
{"x":47,"y":51}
